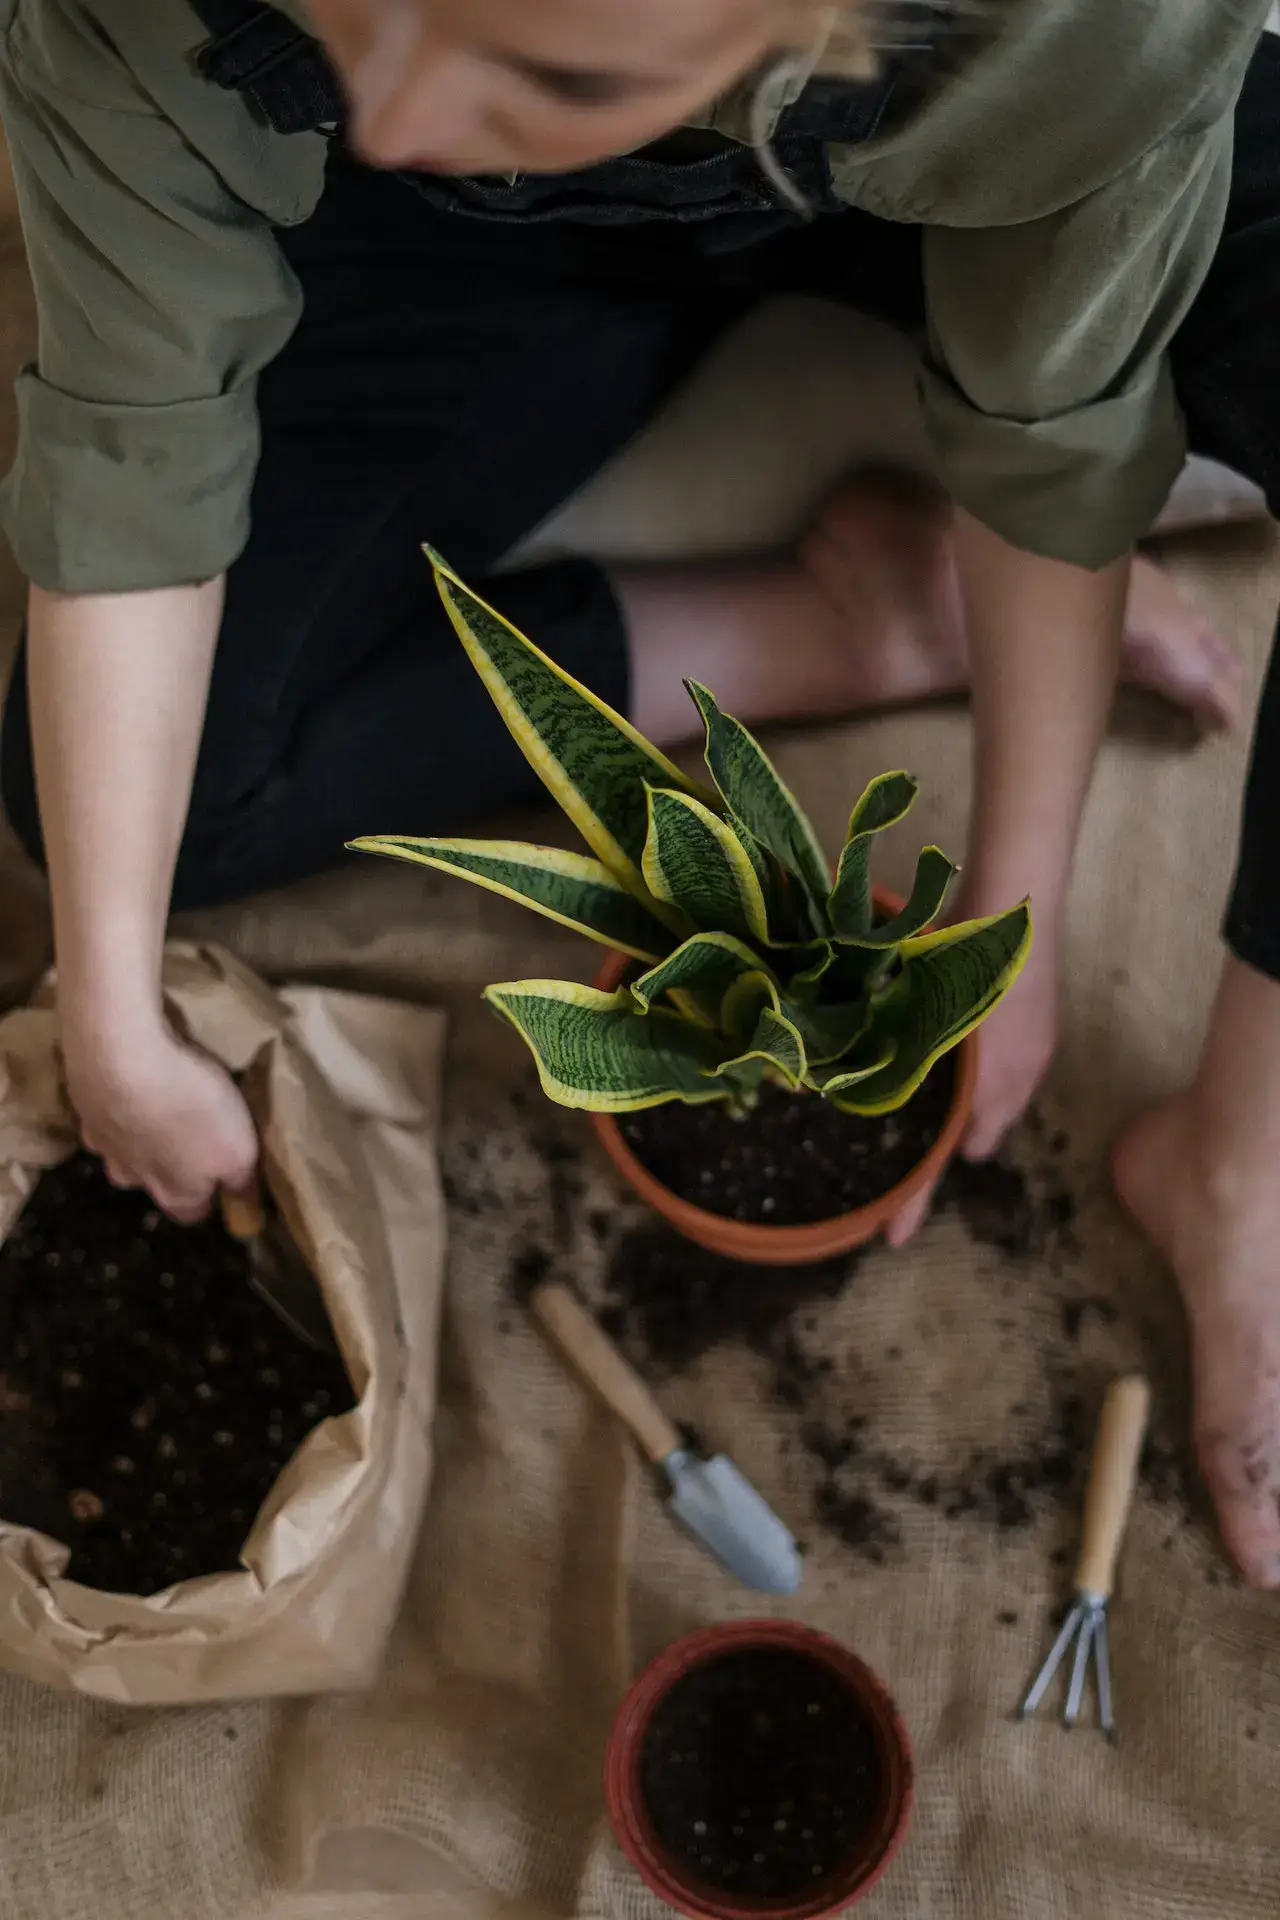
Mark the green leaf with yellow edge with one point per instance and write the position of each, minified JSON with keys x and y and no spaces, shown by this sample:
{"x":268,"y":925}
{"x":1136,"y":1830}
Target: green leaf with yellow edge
{"x":594,"y":763}
{"x":776,"y":1042}
{"x":707,"y":964}
{"x":887,"y":800}
{"x":595,"y":1051}
{"x":934,"y":874}
{"x":759,"y":801}
{"x":694,"y":862}
{"x":949,"y":982}
{"x":829,"y":1031}
{"x":570,"y":888}
{"x":836,"y":1083}
{"x":803,"y":967}
{"x":746,"y":997}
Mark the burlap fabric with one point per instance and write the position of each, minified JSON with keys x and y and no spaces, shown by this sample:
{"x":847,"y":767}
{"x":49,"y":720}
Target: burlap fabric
{"x":921,"y":1423}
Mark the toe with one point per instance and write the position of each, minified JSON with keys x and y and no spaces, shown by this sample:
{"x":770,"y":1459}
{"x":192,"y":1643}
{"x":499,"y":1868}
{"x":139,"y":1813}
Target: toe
{"x":1193,"y":670}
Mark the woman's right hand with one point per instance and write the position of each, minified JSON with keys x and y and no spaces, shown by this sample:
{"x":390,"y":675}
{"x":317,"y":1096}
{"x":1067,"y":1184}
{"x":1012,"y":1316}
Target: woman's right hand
{"x":118,"y":686}
{"x":163,"y":1116}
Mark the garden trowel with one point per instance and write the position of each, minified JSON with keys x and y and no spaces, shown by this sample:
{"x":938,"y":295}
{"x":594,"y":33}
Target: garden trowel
{"x":278,"y":1273}
{"x":709,"y":1497}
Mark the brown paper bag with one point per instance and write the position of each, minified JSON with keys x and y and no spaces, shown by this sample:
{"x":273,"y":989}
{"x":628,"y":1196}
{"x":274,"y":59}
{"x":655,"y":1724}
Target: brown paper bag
{"x":325,"y":1563}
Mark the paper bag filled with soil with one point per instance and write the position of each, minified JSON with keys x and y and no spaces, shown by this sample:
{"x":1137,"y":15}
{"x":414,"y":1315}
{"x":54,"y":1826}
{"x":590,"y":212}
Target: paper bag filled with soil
{"x":195,"y":1504}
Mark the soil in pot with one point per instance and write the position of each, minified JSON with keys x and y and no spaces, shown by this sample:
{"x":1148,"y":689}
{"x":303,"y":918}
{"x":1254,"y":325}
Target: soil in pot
{"x":760,"y":1773}
{"x":794,"y":1158}
{"x":148,"y":1398}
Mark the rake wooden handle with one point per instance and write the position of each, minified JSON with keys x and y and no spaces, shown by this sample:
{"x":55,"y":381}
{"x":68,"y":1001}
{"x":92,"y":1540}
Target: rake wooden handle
{"x":243,"y":1214}
{"x":592,"y":1354}
{"x":1112,"y":1477}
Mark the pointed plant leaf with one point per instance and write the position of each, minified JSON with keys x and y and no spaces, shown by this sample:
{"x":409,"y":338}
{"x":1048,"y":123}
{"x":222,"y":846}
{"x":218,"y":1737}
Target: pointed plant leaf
{"x":934,"y":874}
{"x":829,"y":1032}
{"x":758,"y":800}
{"x":776,"y":1042}
{"x":706,"y":964}
{"x":695,"y":863}
{"x":836,"y":1083}
{"x":804,"y":967}
{"x":775,"y":886}
{"x":744,"y":1000}
{"x":949,"y":982}
{"x":595,"y":1051}
{"x":592,"y":761}
{"x":570,"y":888}
{"x":886,"y":801}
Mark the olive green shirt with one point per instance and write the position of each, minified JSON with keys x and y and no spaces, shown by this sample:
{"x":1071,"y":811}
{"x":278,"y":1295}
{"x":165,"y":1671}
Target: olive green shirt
{"x":1070,"y":174}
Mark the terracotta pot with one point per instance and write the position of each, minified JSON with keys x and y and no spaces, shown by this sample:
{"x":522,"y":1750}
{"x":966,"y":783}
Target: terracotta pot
{"x":669,"y":1878}
{"x":787,"y":1246}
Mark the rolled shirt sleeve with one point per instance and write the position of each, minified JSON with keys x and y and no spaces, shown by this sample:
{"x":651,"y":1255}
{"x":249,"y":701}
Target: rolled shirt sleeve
{"x":1046,"y":382}
{"x":160,"y":295}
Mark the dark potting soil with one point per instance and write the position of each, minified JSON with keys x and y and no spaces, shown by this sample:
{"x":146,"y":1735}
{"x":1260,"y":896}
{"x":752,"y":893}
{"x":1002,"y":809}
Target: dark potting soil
{"x":794,"y":1158}
{"x":759,"y":1773}
{"x":148,"y":1398}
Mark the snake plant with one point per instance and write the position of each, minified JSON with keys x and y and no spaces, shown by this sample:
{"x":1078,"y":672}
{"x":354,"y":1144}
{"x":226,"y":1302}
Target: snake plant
{"x":748,"y":961}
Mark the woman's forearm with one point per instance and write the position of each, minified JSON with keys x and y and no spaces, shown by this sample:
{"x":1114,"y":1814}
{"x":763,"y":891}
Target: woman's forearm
{"x":118,"y":690}
{"x":1044,"y":643}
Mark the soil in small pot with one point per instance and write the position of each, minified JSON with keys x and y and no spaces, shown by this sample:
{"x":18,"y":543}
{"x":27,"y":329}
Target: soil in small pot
{"x":760,"y":1774}
{"x":794,"y":1158}
{"x":148,"y":1398}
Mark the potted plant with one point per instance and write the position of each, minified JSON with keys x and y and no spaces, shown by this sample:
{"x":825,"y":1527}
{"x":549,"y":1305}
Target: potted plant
{"x":759,"y":1768}
{"x":780,"y":1018}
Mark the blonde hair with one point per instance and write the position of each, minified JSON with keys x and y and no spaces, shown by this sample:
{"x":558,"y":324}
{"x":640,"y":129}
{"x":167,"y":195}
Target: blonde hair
{"x":843,"y":38}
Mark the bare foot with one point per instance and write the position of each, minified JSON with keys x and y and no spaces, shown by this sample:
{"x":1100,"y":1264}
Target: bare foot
{"x":1171,"y":649}
{"x":1221,"y":1234}
{"x":880,"y":553}
{"x":866,"y":613}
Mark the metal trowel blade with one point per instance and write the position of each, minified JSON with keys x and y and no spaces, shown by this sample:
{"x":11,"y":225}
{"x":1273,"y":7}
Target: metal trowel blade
{"x":281,"y":1277}
{"x":723,"y":1510}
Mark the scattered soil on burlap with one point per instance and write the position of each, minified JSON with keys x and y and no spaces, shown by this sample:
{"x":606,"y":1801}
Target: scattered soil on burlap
{"x":148,"y":1398}
{"x":760,"y":1774}
{"x":669,"y":1303}
{"x":794,"y":1158}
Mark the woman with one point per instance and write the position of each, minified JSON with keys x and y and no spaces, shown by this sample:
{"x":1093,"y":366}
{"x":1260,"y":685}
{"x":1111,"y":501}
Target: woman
{"x":268,"y":369}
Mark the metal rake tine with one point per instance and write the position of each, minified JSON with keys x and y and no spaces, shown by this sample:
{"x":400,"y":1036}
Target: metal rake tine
{"x":1057,"y":1653}
{"x":1079,"y":1669}
{"x":1102,"y":1646}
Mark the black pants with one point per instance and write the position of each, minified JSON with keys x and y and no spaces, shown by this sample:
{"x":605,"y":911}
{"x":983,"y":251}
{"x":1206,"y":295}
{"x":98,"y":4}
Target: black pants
{"x":454,"y":380}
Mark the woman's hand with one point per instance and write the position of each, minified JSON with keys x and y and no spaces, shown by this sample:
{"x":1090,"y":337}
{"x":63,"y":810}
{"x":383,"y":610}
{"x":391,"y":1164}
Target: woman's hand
{"x":1044,"y":642}
{"x":163,"y":1116}
{"x":118,"y":686}
{"x":1016,"y":1045}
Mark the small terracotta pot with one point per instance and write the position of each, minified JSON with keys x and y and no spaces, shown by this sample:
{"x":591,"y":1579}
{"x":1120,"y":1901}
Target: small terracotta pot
{"x":787,"y":1246}
{"x":629,"y":1818}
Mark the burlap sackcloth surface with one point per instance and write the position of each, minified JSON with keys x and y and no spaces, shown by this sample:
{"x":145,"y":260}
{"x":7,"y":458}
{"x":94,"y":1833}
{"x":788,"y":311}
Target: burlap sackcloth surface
{"x":922,"y":1421}
{"x":923,"y":1425}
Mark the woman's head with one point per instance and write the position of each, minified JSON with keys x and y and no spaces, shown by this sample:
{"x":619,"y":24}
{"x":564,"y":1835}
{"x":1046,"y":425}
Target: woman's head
{"x":493,"y":86}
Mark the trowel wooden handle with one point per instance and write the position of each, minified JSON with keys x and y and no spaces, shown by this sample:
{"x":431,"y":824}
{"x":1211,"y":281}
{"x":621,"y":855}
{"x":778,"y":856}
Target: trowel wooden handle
{"x":243,"y":1214}
{"x":1112,"y":1476}
{"x":593,"y":1355}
